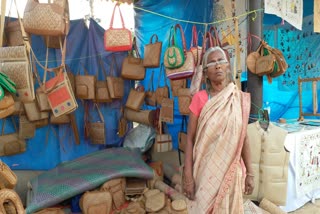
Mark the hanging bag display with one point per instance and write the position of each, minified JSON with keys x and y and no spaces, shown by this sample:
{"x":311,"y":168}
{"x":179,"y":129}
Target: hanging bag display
{"x":102,"y":92}
{"x":135,"y":98}
{"x":162,"y":91}
{"x":150,"y":98}
{"x":115,"y":84}
{"x":194,"y":48}
{"x":163,"y":141}
{"x":11,"y":144}
{"x":132,"y":66}
{"x":97,"y":130}
{"x":184,"y":101}
{"x":188,"y":67}
{"x":85,"y":85}
{"x":117,"y":39}
{"x":13,"y":33}
{"x":152,"y":53}
{"x":27,"y":129}
{"x":50,"y":19}
{"x":176,"y":85}
{"x":174,"y":56}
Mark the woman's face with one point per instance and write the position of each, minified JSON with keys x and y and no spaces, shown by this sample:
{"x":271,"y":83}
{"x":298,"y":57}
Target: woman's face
{"x":217,"y":67}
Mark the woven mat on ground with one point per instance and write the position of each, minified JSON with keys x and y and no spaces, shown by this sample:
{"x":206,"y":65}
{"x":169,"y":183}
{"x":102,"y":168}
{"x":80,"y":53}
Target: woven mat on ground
{"x":86,"y":173}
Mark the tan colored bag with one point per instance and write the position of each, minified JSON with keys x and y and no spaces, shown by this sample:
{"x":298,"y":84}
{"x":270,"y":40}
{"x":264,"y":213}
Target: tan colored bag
{"x":152,"y":53}
{"x":184,"y":101}
{"x":63,"y":119}
{"x":27,"y":129}
{"x":7,"y":112}
{"x":8,"y":179}
{"x":135,"y":99}
{"x":6,"y":101}
{"x":132,"y":66}
{"x":8,"y":195}
{"x":150,"y":98}
{"x":102,"y":92}
{"x":94,"y":202}
{"x":13,"y":33}
{"x":116,"y":187}
{"x":265,"y":64}
{"x":115,"y":84}
{"x":163,"y":142}
{"x":54,"y":41}
{"x":85,"y":85}
{"x":97,"y":130}
{"x":33,"y":113}
{"x":51,"y":19}
{"x":162,"y":91}
{"x":166,"y":111}
{"x":146,"y":117}
{"x":176,"y":85}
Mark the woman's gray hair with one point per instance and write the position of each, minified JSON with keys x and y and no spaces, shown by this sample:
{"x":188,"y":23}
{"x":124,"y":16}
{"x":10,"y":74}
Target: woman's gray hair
{"x":211,"y":50}
{"x":205,"y":62}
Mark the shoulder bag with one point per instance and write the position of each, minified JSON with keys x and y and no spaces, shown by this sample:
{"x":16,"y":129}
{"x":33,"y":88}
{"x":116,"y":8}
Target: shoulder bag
{"x":97,"y":130}
{"x":117,"y":39}
{"x":85,"y":85}
{"x":174,"y":55}
{"x":150,"y":98}
{"x":135,"y":99}
{"x":184,"y":100}
{"x":115,"y":84}
{"x":152,"y":53}
{"x":186,"y":70}
{"x":50,"y":19}
{"x":102,"y":92}
{"x":10,"y":144}
{"x":161,"y":91}
{"x":132,"y":67}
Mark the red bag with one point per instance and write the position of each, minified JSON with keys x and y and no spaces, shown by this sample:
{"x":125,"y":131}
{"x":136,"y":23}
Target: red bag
{"x":117,"y":39}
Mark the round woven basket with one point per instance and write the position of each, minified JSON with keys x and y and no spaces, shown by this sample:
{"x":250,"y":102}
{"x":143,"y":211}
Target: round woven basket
{"x":7,"y":177}
{"x":179,"y":206}
{"x":251,"y":61}
{"x":156,"y":202}
{"x":8,"y":195}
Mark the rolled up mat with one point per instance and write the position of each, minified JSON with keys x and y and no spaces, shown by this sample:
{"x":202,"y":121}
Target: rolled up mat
{"x":169,"y":191}
{"x":270,"y":207}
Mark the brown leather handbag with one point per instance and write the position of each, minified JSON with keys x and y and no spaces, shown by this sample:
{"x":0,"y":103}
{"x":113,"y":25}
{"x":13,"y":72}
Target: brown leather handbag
{"x":162,"y":91}
{"x":115,"y":84}
{"x":85,"y":85}
{"x":102,"y":92}
{"x":135,"y":99}
{"x":152,"y":53}
{"x":97,"y":130}
{"x":132,"y":66}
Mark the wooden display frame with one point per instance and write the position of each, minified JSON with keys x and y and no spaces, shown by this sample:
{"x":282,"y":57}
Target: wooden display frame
{"x":314,"y":97}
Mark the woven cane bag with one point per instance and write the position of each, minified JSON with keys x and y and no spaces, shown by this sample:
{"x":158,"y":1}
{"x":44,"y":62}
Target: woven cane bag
{"x":135,"y":99}
{"x":13,"y":33}
{"x":50,"y":19}
{"x":146,"y":117}
{"x":116,"y":187}
{"x":152,"y":53}
{"x":27,"y":129}
{"x":97,"y":129}
{"x":94,"y":202}
{"x":15,"y":64}
{"x":117,"y":39}
{"x":102,"y":91}
{"x":115,"y":84}
{"x":184,"y":101}
{"x":7,"y":195}
{"x":155,"y":202}
{"x":176,"y":85}
{"x":8,"y":178}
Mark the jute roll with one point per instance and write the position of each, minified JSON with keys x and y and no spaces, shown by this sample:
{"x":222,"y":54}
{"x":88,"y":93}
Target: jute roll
{"x":270,"y":207}
{"x":169,"y":191}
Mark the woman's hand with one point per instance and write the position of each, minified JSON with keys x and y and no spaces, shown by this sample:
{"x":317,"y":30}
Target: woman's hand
{"x":188,"y":187}
{"x":249,"y":185}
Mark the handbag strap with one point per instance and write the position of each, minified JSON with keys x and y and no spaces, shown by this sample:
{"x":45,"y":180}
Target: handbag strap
{"x":183,"y":39}
{"x":151,"y":38}
{"x":114,"y":66}
{"x":206,"y":38}
{"x":102,"y":67}
{"x":4,"y":123}
{"x":135,"y":47}
{"x":3,"y":10}
{"x":150,"y":84}
{"x":117,"y":5}
{"x":162,"y":73}
{"x":213,"y":31}
{"x":194,"y":37}
{"x":184,"y":123}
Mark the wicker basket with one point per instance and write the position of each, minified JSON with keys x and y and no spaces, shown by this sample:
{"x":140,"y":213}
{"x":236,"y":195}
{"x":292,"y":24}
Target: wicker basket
{"x":7,"y":177}
{"x":10,"y":200}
